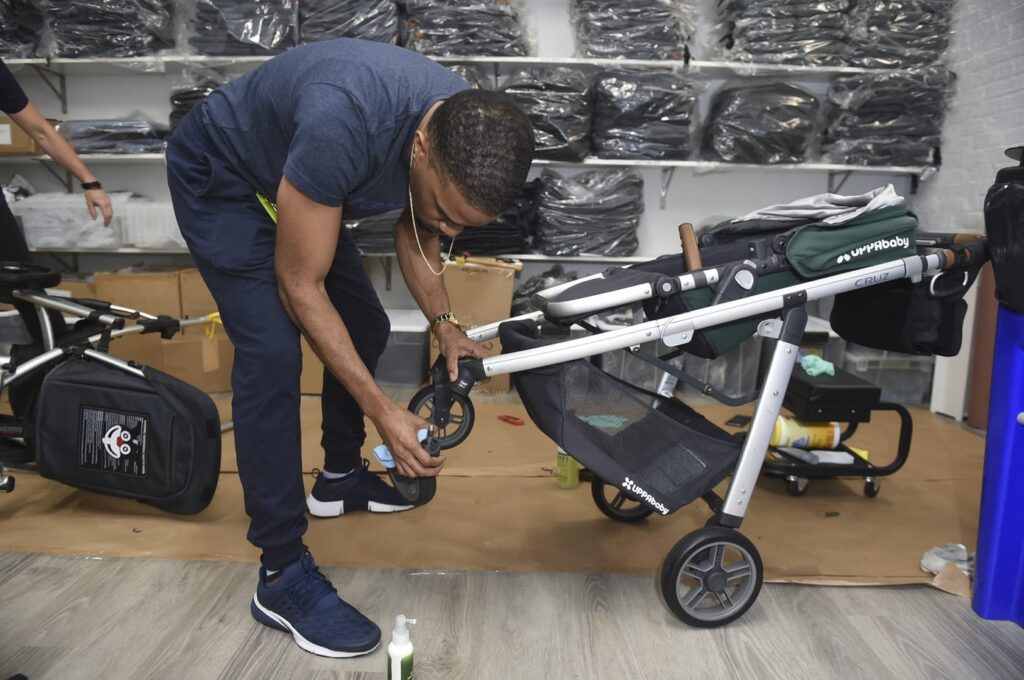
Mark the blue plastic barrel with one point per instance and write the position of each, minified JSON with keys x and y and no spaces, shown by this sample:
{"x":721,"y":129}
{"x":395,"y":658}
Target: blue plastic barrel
{"x":999,"y":570}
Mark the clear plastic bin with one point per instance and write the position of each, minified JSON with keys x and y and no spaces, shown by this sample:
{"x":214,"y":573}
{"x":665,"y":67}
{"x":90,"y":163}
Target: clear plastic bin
{"x":404,"y":361}
{"x":904,"y":378}
{"x":57,"y":220}
{"x":151,"y":224}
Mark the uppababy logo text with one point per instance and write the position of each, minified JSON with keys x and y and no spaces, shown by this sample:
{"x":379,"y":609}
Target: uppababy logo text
{"x":630,"y":486}
{"x":881,"y":244}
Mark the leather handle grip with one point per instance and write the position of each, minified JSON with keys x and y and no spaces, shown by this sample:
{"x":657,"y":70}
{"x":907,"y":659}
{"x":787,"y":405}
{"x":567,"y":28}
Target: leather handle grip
{"x":691,"y":251}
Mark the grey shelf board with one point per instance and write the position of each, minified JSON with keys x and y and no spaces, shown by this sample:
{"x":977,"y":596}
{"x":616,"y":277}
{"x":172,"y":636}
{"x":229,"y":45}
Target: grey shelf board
{"x":112,"y":251}
{"x":90,"y":157}
{"x":161,"y":64}
{"x":699,"y":167}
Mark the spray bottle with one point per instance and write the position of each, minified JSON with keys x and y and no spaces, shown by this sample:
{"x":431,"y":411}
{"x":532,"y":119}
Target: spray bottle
{"x":400,"y":650}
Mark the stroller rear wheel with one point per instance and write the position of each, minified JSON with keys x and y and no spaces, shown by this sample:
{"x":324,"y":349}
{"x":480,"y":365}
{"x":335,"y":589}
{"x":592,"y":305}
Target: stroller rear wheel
{"x":711,"y":577}
{"x":14,"y":275}
{"x":616,"y":504}
{"x":461,"y":416}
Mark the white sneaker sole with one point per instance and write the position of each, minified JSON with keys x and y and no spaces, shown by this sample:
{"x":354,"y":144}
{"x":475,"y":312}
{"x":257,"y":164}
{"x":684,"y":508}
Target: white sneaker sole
{"x":337,"y":508}
{"x":306,"y":644}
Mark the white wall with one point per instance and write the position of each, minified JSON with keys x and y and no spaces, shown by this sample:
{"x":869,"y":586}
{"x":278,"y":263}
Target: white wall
{"x":986,"y":115}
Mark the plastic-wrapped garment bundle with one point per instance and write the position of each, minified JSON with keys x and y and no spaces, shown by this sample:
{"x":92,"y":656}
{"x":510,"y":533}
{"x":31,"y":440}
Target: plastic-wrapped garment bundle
{"x":557,"y":101}
{"x":364,"y":19}
{"x":472,"y":74}
{"x":375,"y":234}
{"x":110,"y":28}
{"x":593,"y":213}
{"x":640,"y":29}
{"x":510,"y":233}
{"x":116,"y":136}
{"x":463,"y":28}
{"x":764,"y":123}
{"x":899,"y":33}
{"x":21,"y":22}
{"x":795,"y":32}
{"x":642,"y":114}
{"x":243,"y":27}
{"x":195,"y":85}
{"x":888,"y":118}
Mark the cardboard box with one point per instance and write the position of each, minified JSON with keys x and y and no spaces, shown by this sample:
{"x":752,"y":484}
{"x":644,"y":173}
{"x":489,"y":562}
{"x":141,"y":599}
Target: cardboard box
{"x":152,"y":290}
{"x":196,"y":299}
{"x":200,"y":361}
{"x":78,"y":287}
{"x":312,"y":379}
{"x":15,"y":140}
{"x":479,"y":294}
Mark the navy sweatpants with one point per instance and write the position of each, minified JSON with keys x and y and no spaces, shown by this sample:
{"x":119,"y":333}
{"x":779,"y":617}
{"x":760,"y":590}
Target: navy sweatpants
{"x":232,"y":240}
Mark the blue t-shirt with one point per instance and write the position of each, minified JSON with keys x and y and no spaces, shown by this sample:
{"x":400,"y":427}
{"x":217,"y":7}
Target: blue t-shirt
{"x":335,"y":117}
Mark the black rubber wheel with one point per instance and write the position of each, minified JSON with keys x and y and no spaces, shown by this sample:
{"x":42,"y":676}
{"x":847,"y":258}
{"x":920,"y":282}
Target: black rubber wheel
{"x":711,"y":577}
{"x":15,"y":275}
{"x":871,"y":487}
{"x":413,"y":490}
{"x":461,"y":421}
{"x":620,"y":506}
{"x":796,"y":486}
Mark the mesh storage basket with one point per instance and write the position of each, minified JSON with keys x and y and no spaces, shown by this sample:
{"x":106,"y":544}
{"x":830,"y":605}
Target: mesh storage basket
{"x":660,"y":451}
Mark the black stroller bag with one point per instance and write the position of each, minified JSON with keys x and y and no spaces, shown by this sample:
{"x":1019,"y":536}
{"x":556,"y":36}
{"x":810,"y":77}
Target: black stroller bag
{"x":155,"y":439}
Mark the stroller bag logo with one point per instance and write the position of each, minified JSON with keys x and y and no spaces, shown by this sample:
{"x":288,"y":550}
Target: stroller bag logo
{"x":881,"y":244}
{"x":117,"y":442}
{"x":629,"y":485}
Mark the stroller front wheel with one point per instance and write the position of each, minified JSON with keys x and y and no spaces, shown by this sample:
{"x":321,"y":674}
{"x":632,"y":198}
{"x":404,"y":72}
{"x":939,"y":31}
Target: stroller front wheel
{"x":711,"y":577}
{"x":620,"y":507}
{"x":460,"y":420}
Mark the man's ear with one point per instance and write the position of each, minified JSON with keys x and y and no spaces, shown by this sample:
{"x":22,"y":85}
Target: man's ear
{"x":421,"y":146}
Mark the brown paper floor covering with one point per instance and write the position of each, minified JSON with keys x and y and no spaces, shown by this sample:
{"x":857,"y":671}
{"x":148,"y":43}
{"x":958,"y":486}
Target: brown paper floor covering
{"x":498,"y":508}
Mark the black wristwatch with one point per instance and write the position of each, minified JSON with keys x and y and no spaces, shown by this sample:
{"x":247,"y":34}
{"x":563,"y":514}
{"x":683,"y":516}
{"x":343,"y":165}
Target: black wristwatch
{"x":91,"y":185}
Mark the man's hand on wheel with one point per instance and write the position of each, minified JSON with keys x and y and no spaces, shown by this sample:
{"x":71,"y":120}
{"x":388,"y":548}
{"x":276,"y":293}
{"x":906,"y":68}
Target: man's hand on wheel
{"x":398,"y":428}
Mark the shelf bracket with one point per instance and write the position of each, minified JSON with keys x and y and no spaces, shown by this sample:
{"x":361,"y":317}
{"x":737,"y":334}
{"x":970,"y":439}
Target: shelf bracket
{"x":385,"y":262}
{"x":832,"y":175}
{"x":60,"y":89}
{"x":666,"y":181}
{"x":64,"y":178}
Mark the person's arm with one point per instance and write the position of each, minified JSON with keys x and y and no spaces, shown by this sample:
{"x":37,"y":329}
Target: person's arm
{"x":428,"y":290}
{"x":307,"y":238}
{"x":32,"y":122}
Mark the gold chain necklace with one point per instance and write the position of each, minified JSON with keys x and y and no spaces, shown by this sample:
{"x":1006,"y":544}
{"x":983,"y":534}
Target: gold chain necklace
{"x":416,"y":231}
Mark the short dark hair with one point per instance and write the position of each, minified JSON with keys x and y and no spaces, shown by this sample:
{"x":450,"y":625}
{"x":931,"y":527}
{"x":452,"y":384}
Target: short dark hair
{"x":484,"y":143}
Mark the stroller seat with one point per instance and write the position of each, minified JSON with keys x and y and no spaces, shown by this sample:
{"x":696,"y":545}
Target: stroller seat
{"x":668,"y":453}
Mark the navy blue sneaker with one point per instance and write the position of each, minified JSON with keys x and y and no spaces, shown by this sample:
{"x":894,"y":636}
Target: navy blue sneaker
{"x":301,"y":601}
{"x":361,"y":490}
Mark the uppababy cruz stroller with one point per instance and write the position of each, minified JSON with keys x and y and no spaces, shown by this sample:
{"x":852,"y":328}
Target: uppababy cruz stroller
{"x":752,"y":276}
{"x":84,"y":417}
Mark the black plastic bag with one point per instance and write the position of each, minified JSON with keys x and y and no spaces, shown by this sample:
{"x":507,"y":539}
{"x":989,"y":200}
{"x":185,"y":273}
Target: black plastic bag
{"x":375,"y":20}
{"x":763,"y":123}
{"x":557,"y":101}
{"x":643,"y":114}
{"x":463,"y":28}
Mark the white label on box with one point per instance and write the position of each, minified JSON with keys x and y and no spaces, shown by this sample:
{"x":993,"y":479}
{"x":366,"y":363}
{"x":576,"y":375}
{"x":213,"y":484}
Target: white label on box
{"x":5,"y":134}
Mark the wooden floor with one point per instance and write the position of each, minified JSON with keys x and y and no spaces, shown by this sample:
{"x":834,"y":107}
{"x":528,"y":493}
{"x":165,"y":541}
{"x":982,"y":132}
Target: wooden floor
{"x":68,"y":618}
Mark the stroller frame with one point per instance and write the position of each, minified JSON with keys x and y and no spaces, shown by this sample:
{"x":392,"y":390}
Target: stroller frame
{"x":103,"y":322}
{"x":702,"y":557}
